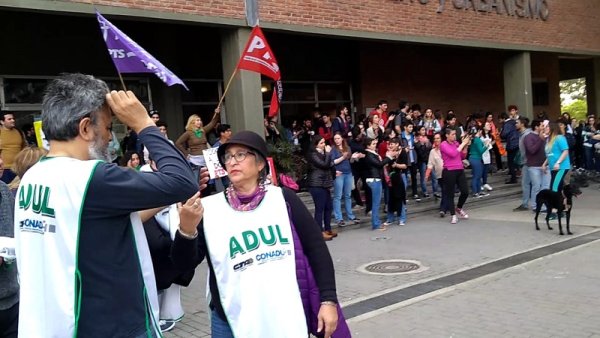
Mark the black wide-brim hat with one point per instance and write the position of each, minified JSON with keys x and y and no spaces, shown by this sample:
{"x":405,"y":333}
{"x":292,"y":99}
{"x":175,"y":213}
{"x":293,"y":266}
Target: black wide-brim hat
{"x":249,"y":139}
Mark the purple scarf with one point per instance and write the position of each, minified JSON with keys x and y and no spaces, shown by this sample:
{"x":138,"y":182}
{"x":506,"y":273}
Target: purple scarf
{"x":245,"y":202}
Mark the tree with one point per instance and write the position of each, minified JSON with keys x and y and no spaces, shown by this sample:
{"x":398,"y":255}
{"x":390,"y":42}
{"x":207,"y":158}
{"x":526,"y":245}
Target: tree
{"x":577,"y":109}
{"x":571,"y":90}
{"x":573,"y":98}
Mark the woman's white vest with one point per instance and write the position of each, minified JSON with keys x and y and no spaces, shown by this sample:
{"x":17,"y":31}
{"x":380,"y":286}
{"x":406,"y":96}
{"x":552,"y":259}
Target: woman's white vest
{"x":47,"y":222}
{"x":252,"y":254}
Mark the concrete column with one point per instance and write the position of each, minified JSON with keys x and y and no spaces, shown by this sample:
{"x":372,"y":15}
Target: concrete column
{"x":593,"y":90}
{"x":517,"y":83}
{"x":167,"y":100}
{"x":243,"y":103}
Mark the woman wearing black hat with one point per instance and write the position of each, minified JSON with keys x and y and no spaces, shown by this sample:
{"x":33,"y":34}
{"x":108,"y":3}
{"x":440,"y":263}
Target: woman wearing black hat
{"x":262,"y":247}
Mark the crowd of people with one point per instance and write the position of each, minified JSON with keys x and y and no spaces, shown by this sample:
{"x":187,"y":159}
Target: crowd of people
{"x":143,"y":213}
{"x":102,"y":249}
{"x":387,"y":157}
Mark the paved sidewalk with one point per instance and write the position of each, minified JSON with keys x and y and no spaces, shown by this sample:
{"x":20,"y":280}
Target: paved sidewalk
{"x":556,"y":296}
{"x":492,"y":232}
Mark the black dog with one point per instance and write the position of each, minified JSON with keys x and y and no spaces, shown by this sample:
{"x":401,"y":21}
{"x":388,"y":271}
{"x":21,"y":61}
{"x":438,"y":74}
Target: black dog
{"x":559,"y":201}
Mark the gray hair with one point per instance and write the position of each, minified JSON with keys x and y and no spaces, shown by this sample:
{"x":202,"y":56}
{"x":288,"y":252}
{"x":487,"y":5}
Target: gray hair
{"x":67,"y":100}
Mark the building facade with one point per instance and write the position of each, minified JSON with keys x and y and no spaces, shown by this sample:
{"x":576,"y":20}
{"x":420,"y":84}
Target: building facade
{"x":465,"y":55}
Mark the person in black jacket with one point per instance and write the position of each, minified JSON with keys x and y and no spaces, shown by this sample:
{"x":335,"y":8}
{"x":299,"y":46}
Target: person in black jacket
{"x":374,"y":174}
{"x":265,"y":265}
{"x":160,"y":226}
{"x":320,"y":181}
{"x":397,"y":199}
{"x":511,"y":135}
{"x":358,"y":170}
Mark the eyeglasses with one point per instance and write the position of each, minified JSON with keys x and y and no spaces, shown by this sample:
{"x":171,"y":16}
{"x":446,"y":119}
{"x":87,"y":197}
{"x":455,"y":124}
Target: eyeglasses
{"x":239,"y":156}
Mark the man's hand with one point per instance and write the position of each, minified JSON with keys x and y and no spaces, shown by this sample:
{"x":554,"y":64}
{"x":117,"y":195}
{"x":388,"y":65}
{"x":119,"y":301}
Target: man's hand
{"x":328,"y":318}
{"x":129,"y":110}
{"x":190,"y":214}
{"x":203,"y":179}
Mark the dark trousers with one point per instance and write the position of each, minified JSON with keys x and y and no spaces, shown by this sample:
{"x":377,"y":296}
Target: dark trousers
{"x":451,"y":179}
{"x":413,"y":178}
{"x":497,"y":156}
{"x":443,"y":203}
{"x":356,"y":192}
{"x":9,"y":322}
{"x":323,"y":206}
{"x":511,"y":154}
{"x":368,"y":195}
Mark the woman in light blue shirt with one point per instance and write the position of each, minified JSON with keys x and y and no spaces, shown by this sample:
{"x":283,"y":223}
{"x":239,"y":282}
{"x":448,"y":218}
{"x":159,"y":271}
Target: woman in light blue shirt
{"x":557,"y":156}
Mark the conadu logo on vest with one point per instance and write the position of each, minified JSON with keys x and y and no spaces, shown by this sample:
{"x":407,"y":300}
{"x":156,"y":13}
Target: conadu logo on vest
{"x":36,"y":225}
{"x":250,"y":241}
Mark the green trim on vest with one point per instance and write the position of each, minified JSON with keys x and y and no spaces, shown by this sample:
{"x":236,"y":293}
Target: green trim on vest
{"x":78,"y":281}
{"x":147,"y":305}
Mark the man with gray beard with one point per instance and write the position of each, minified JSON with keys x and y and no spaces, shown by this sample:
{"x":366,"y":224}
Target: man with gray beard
{"x":82,"y":255}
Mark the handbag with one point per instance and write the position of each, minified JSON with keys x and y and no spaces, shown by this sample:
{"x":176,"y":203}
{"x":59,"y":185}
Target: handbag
{"x":287,"y":181}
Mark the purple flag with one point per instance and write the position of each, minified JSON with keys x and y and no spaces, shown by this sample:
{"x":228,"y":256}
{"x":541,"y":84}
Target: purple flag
{"x":129,"y":57}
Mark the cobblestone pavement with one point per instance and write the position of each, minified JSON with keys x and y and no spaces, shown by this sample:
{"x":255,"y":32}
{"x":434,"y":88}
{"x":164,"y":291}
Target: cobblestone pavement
{"x":526,"y":300}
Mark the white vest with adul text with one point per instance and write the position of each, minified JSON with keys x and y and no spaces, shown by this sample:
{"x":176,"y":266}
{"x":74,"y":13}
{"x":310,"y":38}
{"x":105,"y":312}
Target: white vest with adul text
{"x":47,"y":221}
{"x":252,"y":254}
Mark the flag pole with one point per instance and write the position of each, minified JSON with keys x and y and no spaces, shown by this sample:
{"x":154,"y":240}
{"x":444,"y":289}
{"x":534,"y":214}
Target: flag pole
{"x":227,"y":86}
{"x":122,"y":82}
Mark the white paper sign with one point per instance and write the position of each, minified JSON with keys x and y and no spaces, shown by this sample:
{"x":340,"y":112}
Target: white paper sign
{"x":212,"y":163}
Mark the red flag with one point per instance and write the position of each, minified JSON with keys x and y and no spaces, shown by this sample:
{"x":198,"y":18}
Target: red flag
{"x":258,"y":57}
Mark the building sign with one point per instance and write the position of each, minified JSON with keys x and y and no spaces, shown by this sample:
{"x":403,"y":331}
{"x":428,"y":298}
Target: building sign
{"x":529,"y":9}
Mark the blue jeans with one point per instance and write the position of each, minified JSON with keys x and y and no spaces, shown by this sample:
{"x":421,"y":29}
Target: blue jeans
{"x":422,"y":170}
{"x":375,"y":202}
{"x":218,"y":327}
{"x":391,"y":217}
{"x":526,"y":187}
{"x":539,"y":181}
{"x":589,"y":157}
{"x":342,"y":188}
{"x":477,"y":171}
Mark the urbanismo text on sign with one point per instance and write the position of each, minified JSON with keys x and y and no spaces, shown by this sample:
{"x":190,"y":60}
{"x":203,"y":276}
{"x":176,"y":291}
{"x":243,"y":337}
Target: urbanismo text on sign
{"x":530,"y":9}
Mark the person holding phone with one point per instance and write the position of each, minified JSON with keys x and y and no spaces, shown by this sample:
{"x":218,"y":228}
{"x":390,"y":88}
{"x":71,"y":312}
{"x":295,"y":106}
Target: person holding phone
{"x":454,"y":173}
{"x":257,"y":239}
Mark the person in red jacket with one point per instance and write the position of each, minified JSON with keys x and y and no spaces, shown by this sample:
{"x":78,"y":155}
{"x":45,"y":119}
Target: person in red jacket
{"x":325,"y":130}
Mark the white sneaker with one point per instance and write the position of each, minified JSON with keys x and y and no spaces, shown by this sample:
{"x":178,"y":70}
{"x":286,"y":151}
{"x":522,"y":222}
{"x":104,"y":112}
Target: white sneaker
{"x":487,"y":187}
{"x":454,"y":219}
{"x":166,"y":325}
{"x":462,"y":213}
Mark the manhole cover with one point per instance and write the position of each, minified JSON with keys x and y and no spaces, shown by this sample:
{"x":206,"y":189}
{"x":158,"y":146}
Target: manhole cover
{"x":392,"y":267}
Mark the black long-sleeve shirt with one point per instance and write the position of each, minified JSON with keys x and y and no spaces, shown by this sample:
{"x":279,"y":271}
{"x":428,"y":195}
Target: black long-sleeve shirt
{"x":112,"y":298}
{"x":188,"y":254}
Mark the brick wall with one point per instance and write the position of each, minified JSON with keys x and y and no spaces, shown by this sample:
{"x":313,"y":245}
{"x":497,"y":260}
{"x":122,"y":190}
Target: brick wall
{"x":571,"y":25}
{"x":464,"y":80}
